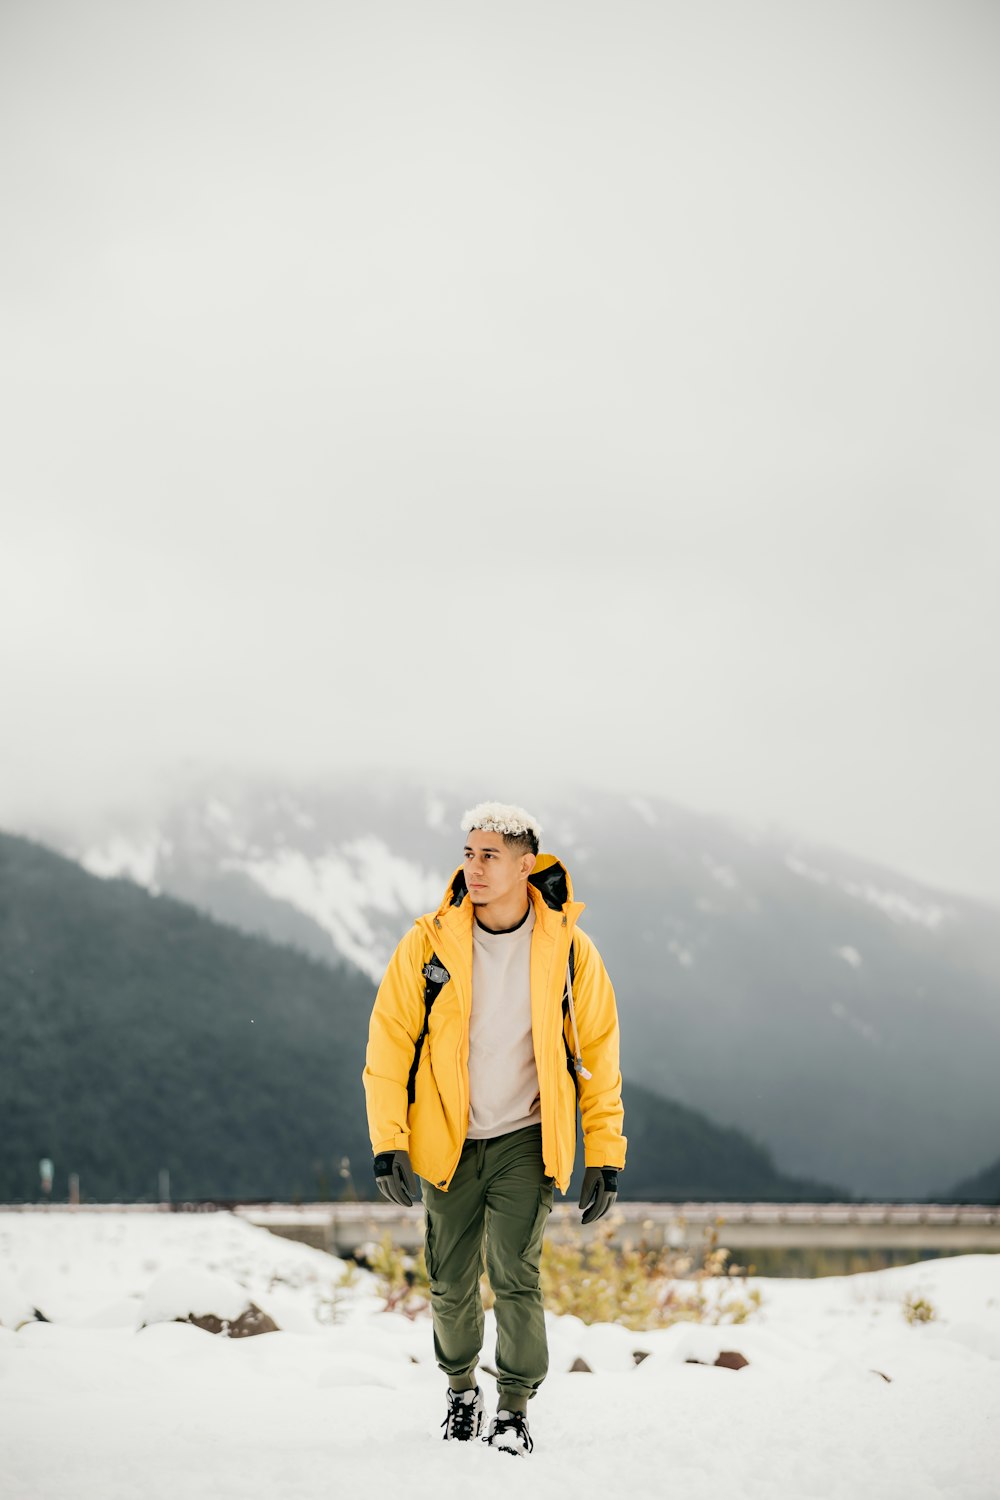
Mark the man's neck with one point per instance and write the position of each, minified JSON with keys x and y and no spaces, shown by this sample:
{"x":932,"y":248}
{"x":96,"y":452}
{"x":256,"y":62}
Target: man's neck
{"x":503,"y":916}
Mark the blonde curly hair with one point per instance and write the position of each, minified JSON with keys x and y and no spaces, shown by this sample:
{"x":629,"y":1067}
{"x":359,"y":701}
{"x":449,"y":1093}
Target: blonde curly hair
{"x":516,"y":825}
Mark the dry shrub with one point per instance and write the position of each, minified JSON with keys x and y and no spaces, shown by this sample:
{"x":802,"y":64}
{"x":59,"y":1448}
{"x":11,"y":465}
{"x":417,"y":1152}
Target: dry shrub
{"x":637,"y":1285}
{"x":918,"y":1309}
{"x":645,"y":1287}
{"x":402,"y":1278}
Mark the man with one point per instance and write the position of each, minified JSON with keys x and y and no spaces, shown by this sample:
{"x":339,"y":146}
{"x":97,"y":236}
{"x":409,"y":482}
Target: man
{"x":514,"y":1036}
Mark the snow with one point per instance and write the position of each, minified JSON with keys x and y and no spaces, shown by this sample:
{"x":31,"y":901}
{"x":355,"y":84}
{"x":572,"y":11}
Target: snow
{"x":15,"y":1306}
{"x":339,"y":890}
{"x":286,"y":806}
{"x":182,"y":1291}
{"x":216,"y":811}
{"x":862,"y":1027}
{"x":135,"y":858}
{"x":895,"y":905}
{"x":644,"y":810}
{"x":347,"y":1398}
{"x":805,"y":871}
{"x":898,"y":907}
{"x":683,"y":955}
{"x":722,"y":873}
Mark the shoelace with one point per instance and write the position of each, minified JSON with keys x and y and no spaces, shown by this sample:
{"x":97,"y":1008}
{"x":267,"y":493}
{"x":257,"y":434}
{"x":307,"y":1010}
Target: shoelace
{"x":461,"y":1416}
{"x":518,"y":1422}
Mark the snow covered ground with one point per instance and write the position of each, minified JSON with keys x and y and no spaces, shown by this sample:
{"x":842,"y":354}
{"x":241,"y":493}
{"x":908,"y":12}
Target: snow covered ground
{"x":346,"y":1399}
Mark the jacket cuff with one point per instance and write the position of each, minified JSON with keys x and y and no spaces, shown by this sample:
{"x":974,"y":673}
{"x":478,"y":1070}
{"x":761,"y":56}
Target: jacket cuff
{"x":392,"y":1143}
{"x":595,"y":1157}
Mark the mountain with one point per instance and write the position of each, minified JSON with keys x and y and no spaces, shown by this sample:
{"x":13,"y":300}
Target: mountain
{"x":675,"y":1153}
{"x":842,"y":1014}
{"x":140,"y":1033}
{"x":981,"y":1187}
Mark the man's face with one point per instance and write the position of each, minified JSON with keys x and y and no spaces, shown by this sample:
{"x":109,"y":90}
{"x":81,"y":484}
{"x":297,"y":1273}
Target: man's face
{"x":492,"y":870}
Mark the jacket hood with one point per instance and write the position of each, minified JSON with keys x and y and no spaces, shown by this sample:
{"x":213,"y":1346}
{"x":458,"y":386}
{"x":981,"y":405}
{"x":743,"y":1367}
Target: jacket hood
{"x":550,"y":878}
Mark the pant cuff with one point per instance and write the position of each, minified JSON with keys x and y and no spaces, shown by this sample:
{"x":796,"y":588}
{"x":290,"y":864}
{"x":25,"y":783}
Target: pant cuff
{"x":514,"y":1400}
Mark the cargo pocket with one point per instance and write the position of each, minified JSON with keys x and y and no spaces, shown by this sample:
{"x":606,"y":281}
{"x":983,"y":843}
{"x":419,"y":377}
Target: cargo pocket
{"x":532,"y":1252}
{"x":430,"y":1262}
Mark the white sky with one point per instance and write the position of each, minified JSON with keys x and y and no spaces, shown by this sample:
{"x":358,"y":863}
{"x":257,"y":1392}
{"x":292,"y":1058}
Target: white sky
{"x":464,"y":386}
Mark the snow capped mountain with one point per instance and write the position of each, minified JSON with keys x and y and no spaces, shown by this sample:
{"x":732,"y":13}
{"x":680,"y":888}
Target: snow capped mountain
{"x":344,"y":890}
{"x":356,"y":894}
{"x":844,"y":1014}
{"x":900,"y":906}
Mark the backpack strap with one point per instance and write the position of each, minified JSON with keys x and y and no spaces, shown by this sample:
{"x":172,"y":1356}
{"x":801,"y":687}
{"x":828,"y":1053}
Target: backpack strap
{"x":436,"y":976}
{"x":570,"y":1063}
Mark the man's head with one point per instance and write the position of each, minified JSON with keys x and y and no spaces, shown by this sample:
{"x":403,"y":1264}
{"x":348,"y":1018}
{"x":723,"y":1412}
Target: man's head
{"x":500,"y":848}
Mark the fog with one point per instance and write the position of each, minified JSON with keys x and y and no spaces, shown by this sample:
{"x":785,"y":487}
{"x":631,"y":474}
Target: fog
{"x":557,"y":390}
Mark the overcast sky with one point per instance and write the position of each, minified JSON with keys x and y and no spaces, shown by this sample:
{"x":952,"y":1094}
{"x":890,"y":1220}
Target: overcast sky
{"x":478,"y":387}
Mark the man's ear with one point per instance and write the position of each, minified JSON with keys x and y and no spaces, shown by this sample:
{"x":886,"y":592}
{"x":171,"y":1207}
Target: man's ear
{"x":527,"y":863}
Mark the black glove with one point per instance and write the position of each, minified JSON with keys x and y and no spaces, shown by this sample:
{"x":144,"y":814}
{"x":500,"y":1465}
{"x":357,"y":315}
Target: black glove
{"x":599,"y":1191}
{"x":394,"y":1177}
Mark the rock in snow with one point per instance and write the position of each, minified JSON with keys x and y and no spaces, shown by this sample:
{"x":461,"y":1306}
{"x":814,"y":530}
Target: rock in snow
{"x":726,"y":1359}
{"x":187,"y":1294}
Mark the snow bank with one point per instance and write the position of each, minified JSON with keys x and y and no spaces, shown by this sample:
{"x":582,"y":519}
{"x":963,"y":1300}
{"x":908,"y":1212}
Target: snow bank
{"x":15,"y":1306}
{"x":350,"y":1399}
{"x":188,"y":1291}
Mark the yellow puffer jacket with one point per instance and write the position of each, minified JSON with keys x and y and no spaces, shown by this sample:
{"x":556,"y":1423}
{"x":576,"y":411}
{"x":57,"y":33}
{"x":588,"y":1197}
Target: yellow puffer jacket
{"x":433,"y":1128}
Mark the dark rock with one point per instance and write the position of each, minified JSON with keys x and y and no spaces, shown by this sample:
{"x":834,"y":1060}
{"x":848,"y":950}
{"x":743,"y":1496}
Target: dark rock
{"x":729,"y":1359}
{"x":252,"y":1320}
{"x":580,"y":1365}
{"x":639,"y":1355}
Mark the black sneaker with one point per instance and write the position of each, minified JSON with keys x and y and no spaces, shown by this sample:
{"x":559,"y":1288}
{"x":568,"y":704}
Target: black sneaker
{"x":509,"y":1432}
{"x":466,"y":1415}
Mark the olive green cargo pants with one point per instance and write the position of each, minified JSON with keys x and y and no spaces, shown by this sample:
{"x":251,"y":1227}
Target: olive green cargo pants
{"x":501,"y":1191}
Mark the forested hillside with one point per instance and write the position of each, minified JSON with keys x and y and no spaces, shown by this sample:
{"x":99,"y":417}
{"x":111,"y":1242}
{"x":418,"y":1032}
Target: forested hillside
{"x":140,"y":1034}
{"x":980,"y":1187}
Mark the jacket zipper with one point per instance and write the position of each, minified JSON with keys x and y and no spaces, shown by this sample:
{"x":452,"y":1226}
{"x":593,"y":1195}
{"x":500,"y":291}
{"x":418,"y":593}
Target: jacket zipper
{"x":555,"y":1085}
{"x":463,"y":1101}
{"x":553,"y":1090}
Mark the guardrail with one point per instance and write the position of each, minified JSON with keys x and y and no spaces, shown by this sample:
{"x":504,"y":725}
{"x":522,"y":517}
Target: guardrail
{"x":343,"y":1228}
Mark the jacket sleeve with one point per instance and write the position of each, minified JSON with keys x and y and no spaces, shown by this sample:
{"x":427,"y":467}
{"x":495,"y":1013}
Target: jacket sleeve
{"x":396,"y":1021}
{"x":602,"y":1114}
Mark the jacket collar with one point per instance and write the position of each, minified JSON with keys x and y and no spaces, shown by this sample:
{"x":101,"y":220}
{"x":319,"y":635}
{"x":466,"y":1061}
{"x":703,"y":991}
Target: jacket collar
{"x":549,"y":887}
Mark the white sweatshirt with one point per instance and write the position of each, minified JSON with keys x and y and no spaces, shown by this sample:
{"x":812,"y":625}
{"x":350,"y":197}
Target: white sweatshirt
{"x":503,"y":1078}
